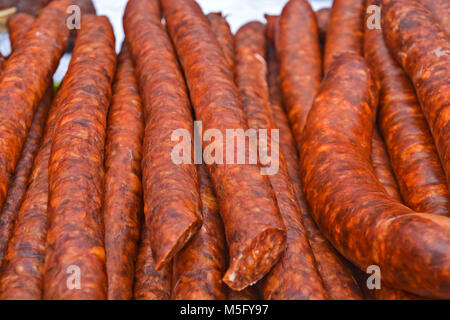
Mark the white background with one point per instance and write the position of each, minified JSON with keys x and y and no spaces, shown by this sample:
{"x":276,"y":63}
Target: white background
{"x":238,"y":12}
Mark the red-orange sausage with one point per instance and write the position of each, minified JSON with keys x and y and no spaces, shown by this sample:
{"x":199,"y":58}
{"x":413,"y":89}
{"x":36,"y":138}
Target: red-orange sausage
{"x":198,"y":268}
{"x":253,"y":225}
{"x":337,"y":278}
{"x":26,"y":75}
{"x":18,"y":26}
{"x":382,"y":166}
{"x":295,"y":276}
{"x":423,"y":49}
{"x":408,"y":139}
{"x":75,"y":253}
{"x":123,"y":188}
{"x":345,"y":32}
{"x":150,"y":284}
{"x":171,"y":195}
{"x":299,"y":53}
{"x":223,"y":34}
{"x":441,"y":12}
{"x":352,"y":208}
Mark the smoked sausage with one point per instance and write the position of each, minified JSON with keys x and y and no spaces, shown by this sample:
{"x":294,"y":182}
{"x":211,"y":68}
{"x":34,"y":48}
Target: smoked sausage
{"x":149,"y":283}
{"x":405,"y":130}
{"x":295,"y":276}
{"x":382,"y":166}
{"x":35,"y":62}
{"x":254,"y":229}
{"x":75,"y":254}
{"x":223,"y":34}
{"x":352,"y":209}
{"x":423,"y":49}
{"x":440,"y":9}
{"x":299,"y":53}
{"x":199,"y":267}
{"x":123,"y":188}
{"x":18,"y":26}
{"x":171,"y":193}
{"x":337,"y":278}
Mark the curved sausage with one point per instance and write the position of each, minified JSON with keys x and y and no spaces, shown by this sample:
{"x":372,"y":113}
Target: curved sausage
{"x":149,"y":283}
{"x":337,"y":278}
{"x":75,"y":254}
{"x":423,"y":49}
{"x":352,"y":209}
{"x":171,"y":195}
{"x":123,"y":188}
{"x":295,"y":276}
{"x":345,"y":31}
{"x":223,"y":34}
{"x":441,"y":12}
{"x":323,"y":17}
{"x":408,"y":139}
{"x":299,"y":53}
{"x":253,"y":225}
{"x":198,"y":268}
{"x":382,"y":166}
{"x":20,"y":95}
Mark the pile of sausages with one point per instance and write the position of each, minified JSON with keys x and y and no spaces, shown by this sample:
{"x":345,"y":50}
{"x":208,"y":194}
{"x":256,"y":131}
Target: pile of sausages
{"x":94,"y":207}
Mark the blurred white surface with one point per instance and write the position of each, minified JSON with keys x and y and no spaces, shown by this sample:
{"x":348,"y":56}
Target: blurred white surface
{"x":238,"y":12}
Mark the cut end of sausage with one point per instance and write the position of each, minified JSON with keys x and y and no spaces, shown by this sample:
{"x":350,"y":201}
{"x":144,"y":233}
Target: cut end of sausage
{"x":256,"y":259}
{"x":185,"y":236}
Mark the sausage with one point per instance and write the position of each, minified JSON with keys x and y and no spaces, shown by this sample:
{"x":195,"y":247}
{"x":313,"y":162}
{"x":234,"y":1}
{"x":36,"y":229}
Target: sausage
{"x":18,"y":25}
{"x":171,"y":192}
{"x":20,"y":95}
{"x":224,"y":35}
{"x":150,"y":284}
{"x":440,"y":9}
{"x":295,"y":276}
{"x":422,"y":48}
{"x":345,"y":31}
{"x":123,"y":188}
{"x":19,"y":182}
{"x":412,"y":151}
{"x":337,"y":278}
{"x":249,"y":293}
{"x":382,"y":166}
{"x":254,"y":228}
{"x":323,"y":21}
{"x":22,"y":273}
{"x":352,"y":209}
{"x":75,"y":241}
{"x":199,"y":267}
{"x":299,"y":53}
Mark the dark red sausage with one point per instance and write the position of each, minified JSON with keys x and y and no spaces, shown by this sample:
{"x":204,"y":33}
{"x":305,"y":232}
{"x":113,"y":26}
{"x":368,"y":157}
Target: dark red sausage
{"x":408,"y":139}
{"x":423,"y":49}
{"x":253,"y":225}
{"x":75,"y":241}
{"x":337,"y":278}
{"x":35,"y":62}
{"x":198,"y":268}
{"x":299,"y":53}
{"x":295,"y":276}
{"x":171,"y":195}
{"x":352,"y":208}
{"x":123,"y":187}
